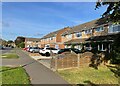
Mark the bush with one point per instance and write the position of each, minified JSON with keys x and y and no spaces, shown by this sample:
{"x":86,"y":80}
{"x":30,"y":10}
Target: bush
{"x":21,"y":45}
{"x":115,"y":57}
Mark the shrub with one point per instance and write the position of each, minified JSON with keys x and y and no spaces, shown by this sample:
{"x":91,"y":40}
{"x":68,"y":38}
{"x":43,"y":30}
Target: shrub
{"x":21,"y":45}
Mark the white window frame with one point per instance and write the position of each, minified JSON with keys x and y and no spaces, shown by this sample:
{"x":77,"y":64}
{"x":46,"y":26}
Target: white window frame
{"x":112,"y":28}
{"x":100,"y":29}
{"x":90,"y":31}
{"x":29,"y":42}
{"x":78,"y":33}
{"x":69,"y":36}
{"x":51,"y":38}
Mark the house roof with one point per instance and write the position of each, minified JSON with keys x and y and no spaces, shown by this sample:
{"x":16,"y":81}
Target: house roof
{"x":32,"y":39}
{"x":85,"y":26}
{"x":53,"y":34}
{"x":76,"y":41}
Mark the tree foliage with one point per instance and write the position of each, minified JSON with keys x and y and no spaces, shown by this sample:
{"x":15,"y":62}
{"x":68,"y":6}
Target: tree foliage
{"x":21,"y":45}
{"x":113,"y":11}
{"x":3,"y":42}
{"x":10,"y":41}
{"x":115,"y":55}
{"x":19,"y":40}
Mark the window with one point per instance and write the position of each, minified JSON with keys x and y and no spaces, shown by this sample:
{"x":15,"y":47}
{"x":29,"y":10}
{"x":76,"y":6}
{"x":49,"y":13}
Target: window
{"x":69,"y":36}
{"x":47,"y":39}
{"x":51,"y":38}
{"x":98,"y":29}
{"x":88,"y":31}
{"x":114,"y":28}
{"x":79,"y":34}
{"x":29,"y":42}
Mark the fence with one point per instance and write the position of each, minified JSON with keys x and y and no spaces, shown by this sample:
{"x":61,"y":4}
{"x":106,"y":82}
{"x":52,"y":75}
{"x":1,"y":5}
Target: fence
{"x":70,"y":60}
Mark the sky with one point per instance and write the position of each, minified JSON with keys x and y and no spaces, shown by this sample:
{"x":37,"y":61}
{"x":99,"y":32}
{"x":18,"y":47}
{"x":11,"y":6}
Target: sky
{"x":36,"y":19}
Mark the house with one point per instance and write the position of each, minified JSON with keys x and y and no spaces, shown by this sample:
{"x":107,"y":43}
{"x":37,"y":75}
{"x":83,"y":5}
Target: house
{"x":32,"y":42}
{"x":54,"y":39}
{"x":84,"y":34}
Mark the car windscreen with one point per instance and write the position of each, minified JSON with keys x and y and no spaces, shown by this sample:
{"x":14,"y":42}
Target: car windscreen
{"x":75,"y":50}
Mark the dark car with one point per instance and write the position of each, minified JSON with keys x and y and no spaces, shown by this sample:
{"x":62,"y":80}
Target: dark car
{"x":69,"y":50}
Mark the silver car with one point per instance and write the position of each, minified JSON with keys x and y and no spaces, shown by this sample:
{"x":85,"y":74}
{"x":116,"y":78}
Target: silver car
{"x":34,"y":49}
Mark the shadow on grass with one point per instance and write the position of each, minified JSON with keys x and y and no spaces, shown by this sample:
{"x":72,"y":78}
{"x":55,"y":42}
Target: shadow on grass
{"x":12,"y":68}
{"x":90,"y":83}
{"x":95,"y":61}
{"x":116,"y":70}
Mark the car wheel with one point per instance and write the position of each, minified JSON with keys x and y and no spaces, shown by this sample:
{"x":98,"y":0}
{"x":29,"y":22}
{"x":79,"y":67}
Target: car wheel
{"x":33,"y":51}
{"x":47,"y":54}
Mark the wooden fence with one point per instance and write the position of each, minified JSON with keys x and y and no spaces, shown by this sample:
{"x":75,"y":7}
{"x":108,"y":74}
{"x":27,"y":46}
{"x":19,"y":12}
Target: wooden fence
{"x":70,"y":60}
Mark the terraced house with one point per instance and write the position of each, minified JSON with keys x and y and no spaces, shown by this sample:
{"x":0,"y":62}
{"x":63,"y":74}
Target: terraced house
{"x":32,"y":42}
{"x":54,"y":39}
{"x":94,"y":34}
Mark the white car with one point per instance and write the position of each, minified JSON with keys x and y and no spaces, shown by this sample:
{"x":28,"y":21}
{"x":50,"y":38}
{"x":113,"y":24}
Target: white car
{"x":48,"y":50}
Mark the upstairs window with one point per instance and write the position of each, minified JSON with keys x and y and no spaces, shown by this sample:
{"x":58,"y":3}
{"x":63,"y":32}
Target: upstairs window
{"x":99,"y":29}
{"x":88,"y":31}
{"x":79,"y":34}
{"x":114,"y":28}
{"x":69,"y":36}
{"x":51,"y":38}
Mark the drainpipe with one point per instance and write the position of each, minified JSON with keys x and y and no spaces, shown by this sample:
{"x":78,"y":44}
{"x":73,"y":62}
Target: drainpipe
{"x":109,"y":47}
{"x":98,"y":47}
{"x":102,"y":47}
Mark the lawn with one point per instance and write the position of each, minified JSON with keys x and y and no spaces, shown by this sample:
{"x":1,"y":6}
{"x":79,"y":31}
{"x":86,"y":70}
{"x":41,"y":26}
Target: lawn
{"x":14,"y":75}
{"x":9,"y":55}
{"x":87,"y":75}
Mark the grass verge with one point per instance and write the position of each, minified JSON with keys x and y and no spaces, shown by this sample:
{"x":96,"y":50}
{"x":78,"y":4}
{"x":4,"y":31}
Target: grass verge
{"x":87,"y":75}
{"x":16,"y":75}
{"x":9,"y":55}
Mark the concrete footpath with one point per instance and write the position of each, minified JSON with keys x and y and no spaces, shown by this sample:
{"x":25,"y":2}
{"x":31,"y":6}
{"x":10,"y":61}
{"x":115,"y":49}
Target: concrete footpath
{"x":39,"y":74}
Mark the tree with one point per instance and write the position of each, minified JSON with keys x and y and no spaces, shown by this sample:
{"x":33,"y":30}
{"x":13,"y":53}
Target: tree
{"x":115,"y":57}
{"x":4,"y":42}
{"x":113,"y":11}
{"x":19,"y":40}
{"x":10,"y":41}
{"x":21,"y":45}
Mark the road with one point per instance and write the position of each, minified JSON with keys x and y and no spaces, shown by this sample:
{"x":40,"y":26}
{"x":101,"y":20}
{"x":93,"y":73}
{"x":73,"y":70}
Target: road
{"x":5,"y":50}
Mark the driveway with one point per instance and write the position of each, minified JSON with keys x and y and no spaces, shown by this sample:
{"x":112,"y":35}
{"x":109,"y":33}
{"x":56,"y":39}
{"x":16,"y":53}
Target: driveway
{"x":39,"y":74}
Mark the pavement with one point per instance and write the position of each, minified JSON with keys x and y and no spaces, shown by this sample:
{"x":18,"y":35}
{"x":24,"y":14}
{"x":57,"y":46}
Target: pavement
{"x":39,"y":74}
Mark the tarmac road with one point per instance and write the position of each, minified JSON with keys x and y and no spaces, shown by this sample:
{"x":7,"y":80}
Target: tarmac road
{"x":5,"y":50}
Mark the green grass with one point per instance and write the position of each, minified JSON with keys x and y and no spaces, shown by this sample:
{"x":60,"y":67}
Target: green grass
{"x":89,"y":75}
{"x":14,"y":75}
{"x":9,"y":55}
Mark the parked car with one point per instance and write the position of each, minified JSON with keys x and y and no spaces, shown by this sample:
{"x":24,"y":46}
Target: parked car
{"x":47,"y":51}
{"x":28,"y":49}
{"x":25,"y":48}
{"x":1,"y":47}
{"x":34,"y":49}
{"x":69,"y":50}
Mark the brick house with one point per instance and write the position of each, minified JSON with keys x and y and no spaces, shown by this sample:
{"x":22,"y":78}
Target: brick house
{"x":83,"y":33}
{"x":32,"y":42}
{"x":54,"y":39}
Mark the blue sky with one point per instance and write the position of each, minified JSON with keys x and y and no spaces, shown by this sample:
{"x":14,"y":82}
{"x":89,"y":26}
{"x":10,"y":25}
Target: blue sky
{"x":36,"y":19}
